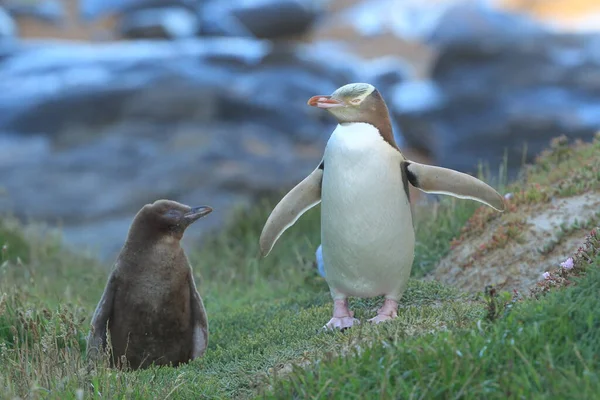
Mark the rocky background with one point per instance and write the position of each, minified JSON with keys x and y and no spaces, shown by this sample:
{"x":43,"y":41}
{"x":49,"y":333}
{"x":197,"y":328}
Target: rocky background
{"x":106,"y":105}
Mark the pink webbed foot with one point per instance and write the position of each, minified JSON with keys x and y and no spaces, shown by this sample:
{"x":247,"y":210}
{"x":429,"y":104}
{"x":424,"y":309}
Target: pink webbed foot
{"x":342,"y":316}
{"x":388,"y":311}
{"x":341,"y":323}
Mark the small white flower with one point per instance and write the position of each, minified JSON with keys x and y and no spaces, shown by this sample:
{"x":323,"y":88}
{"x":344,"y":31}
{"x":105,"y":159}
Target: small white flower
{"x":508,"y":196}
{"x":567,"y":264}
{"x":546,"y":275}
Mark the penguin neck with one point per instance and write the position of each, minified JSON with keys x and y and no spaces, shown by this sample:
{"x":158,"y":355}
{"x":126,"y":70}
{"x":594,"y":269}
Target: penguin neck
{"x":153,"y":244}
{"x":164,"y":259}
{"x":379,"y":119}
{"x":147,"y":241}
{"x":358,"y":141}
{"x":384,"y":126}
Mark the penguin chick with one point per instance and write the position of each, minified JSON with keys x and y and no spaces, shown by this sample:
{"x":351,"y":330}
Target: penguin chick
{"x":150,"y":304}
{"x":362,"y":183}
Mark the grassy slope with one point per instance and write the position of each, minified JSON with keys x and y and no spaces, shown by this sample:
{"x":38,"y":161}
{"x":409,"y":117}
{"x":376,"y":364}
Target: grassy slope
{"x":546,"y":348}
{"x":264,"y":315}
{"x":543,"y":346}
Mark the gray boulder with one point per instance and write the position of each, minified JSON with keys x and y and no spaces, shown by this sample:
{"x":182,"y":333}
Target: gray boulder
{"x":501,"y":84}
{"x":464,"y":22}
{"x":412,"y":102}
{"x":52,"y":11}
{"x":8,"y":28}
{"x":93,"y":132}
{"x":93,"y":9}
{"x":265,"y":19}
{"x":163,"y":22}
{"x":385,"y":73}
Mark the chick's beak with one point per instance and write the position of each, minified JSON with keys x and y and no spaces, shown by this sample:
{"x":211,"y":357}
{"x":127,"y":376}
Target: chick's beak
{"x":197,"y":212}
{"x":325,"y":102}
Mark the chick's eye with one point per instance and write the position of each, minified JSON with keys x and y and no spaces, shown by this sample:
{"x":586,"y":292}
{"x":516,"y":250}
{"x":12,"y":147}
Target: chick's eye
{"x":172,"y":214}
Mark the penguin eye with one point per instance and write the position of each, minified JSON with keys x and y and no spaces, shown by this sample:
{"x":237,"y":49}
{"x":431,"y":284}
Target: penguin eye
{"x":172,"y":214}
{"x":355,"y":101}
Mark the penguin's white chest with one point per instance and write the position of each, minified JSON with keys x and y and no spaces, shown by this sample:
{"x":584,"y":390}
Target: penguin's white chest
{"x":366,"y":223}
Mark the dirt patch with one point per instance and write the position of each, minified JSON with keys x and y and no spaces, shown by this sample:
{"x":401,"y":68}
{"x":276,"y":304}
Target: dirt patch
{"x":546,"y":234}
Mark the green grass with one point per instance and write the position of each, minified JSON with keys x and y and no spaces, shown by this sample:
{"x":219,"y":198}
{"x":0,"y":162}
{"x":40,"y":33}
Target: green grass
{"x":547,"y":348}
{"x":265,"y":316}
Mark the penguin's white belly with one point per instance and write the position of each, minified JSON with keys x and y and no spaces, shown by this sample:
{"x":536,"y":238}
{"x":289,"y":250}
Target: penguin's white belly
{"x":366,"y":223}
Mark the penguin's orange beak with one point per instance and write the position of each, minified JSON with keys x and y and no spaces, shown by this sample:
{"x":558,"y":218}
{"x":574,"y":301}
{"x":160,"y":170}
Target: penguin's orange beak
{"x":325,"y":102}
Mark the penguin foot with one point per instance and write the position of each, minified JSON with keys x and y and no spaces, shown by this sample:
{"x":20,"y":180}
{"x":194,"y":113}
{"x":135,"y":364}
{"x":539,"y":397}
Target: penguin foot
{"x":380,"y":318}
{"x":341,"y":323}
{"x":343,"y":317}
{"x":388,"y":311}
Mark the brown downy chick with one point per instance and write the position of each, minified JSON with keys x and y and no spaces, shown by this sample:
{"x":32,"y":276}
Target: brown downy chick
{"x":150,"y":304}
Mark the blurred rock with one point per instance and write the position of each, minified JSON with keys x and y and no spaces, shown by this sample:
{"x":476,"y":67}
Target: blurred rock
{"x":386,"y":72}
{"x":502,"y":85}
{"x":411,"y":102}
{"x":46,"y":10}
{"x":15,"y":148}
{"x":368,"y":29}
{"x":230,"y":79}
{"x":408,"y":19}
{"x":265,"y":19}
{"x":8,"y":28}
{"x":92,"y":132}
{"x":164,"y":23}
{"x":95,"y":9}
{"x":468,"y":21}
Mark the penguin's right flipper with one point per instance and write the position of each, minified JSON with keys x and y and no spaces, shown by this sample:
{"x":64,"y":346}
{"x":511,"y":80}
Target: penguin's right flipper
{"x":96,"y":340}
{"x":199,"y":321}
{"x":300,"y":199}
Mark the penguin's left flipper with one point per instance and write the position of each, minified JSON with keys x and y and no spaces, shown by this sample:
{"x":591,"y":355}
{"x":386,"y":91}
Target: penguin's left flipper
{"x":97,"y":339}
{"x":300,"y":199}
{"x":438,"y":180}
{"x":199,"y":320}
